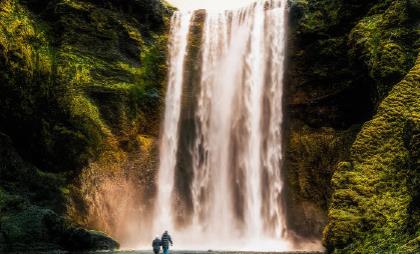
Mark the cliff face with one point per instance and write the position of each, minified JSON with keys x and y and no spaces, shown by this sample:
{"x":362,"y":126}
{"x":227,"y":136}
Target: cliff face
{"x":374,"y":205}
{"x":345,"y":58}
{"x":80,"y":97}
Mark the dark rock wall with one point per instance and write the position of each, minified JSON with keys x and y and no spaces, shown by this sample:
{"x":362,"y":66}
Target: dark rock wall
{"x":374,"y":207}
{"x":344,"y":58}
{"x":81,"y":89}
{"x":322,"y":118}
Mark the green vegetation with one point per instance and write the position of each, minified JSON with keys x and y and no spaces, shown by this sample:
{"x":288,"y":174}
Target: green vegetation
{"x":313,"y":155}
{"x":81,"y":95}
{"x":374,"y":206}
{"x":346,"y":60}
{"x":80,"y":81}
{"x":385,"y":41}
{"x":328,"y":97}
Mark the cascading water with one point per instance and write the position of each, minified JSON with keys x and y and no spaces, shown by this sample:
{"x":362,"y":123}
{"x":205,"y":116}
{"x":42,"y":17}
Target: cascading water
{"x":177,"y":49}
{"x":235,"y":142}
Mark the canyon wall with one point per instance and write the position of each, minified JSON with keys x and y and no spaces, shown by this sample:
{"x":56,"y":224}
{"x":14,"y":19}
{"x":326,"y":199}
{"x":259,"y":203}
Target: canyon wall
{"x":80,"y":99}
{"x":81,"y":93}
{"x":345,"y":58}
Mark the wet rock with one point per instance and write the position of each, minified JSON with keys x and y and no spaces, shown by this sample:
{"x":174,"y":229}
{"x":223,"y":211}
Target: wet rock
{"x":36,"y":228}
{"x":82,"y":239}
{"x":344,"y":58}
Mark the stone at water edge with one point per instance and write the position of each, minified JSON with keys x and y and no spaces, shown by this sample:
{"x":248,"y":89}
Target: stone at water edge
{"x":83,"y":239}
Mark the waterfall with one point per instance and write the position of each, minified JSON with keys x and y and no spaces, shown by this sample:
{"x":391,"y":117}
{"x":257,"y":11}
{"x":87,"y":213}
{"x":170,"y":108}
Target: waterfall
{"x":233,"y":150}
{"x":177,"y":50}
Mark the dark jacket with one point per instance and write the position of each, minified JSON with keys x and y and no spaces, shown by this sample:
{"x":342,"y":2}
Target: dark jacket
{"x":156,"y":245}
{"x":166,"y":239}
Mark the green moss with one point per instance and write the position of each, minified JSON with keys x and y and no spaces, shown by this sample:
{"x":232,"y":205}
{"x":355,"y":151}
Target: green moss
{"x":40,"y":229}
{"x":312,"y":157}
{"x":96,"y":51}
{"x":375,"y":188}
{"x":79,"y":5}
{"x":79,"y":78}
{"x":345,"y":57}
{"x":23,"y":43}
{"x":313,"y":149}
{"x":384,"y":42}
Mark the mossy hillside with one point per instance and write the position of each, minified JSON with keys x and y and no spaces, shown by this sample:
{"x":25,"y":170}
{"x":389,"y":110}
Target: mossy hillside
{"x":80,"y":81}
{"x":386,"y":41}
{"x":341,"y":50}
{"x":100,"y":53}
{"x":41,"y":229}
{"x":373,"y":207}
{"x":313,"y":154}
{"x":115,"y":63}
{"x":322,"y":81}
{"x":344,"y":56}
{"x":25,"y":182}
{"x":321,"y":117}
{"x":30,"y":208}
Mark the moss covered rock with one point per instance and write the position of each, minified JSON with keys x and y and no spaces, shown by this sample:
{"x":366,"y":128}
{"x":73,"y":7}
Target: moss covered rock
{"x":62,"y":62}
{"x":80,"y":84}
{"x":312,"y":155}
{"x":386,"y":42}
{"x":344,"y":58}
{"x":27,"y":219}
{"x":321,"y":116}
{"x":374,"y":206}
{"x":41,"y":229}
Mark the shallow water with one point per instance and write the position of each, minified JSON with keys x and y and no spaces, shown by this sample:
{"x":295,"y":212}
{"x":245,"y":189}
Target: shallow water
{"x":210,"y":252}
{"x":174,"y":252}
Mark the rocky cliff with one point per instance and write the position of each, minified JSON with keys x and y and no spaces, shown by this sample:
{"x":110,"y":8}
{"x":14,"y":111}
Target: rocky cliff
{"x":81,"y":89}
{"x":80,"y":98}
{"x":345,"y":102}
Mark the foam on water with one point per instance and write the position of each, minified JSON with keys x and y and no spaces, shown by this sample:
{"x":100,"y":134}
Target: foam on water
{"x":236,"y":141}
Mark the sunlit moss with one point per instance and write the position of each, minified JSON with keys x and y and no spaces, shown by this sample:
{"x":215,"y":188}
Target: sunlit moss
{"x":76,"y":4}
{"x":24,"y":43}
{"x":129,"y":68}
{"x":81,"y":106}
{"x":375,"y":187}
{"x":81,"y":82}
{"x":384,"y":41}
{"x":147,"y":143}
{"x":371,"y":45}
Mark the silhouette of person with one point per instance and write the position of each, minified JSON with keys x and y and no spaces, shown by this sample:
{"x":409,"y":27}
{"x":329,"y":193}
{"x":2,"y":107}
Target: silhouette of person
{"x":156,"y":245}
{"x":166,"y":240}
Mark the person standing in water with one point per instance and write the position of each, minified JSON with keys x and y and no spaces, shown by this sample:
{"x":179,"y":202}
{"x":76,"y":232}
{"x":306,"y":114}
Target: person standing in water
{"x":156,"y":245}
{"x":166,"y":240}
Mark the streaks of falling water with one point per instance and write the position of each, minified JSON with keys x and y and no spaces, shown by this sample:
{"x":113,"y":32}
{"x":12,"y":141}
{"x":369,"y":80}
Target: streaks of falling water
{"x":180,"y":24}
{"x":273,"y":149}
{"x":236,"y":154}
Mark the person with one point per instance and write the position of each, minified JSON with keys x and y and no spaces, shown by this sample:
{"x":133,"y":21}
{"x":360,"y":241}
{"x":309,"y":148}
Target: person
{"x":166,"y":240}
{"x":156,"y":245}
